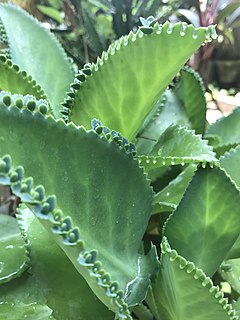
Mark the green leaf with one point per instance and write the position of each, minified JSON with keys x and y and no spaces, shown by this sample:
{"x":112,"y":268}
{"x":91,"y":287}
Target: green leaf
{"x":206,"y":224}
{"x":226,"y":130}
{"x":178,"y":145}
{"x":168,"y":111}
{"x":13,"y":256}
{"x":56,"y":276}
{"x":86,"y":167}
{"x":43,"y":58}
{"x":16,"y":81}
{"x":190,"y":90}
{"x":172,"y":194}
{"x":131,"y":76}
{"x":51,"y":12}
{"x":21,"y":298}
{"x":234,"y":253}
{"x":230,"y":162}
{"x":182,"y":291}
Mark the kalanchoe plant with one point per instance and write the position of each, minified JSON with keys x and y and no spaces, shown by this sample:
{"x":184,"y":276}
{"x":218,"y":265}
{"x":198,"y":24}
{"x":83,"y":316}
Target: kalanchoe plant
{"x":126,"y":212}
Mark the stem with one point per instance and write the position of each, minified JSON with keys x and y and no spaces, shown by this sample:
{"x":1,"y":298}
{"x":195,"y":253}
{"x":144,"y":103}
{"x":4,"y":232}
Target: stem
{"x":142,"y":312}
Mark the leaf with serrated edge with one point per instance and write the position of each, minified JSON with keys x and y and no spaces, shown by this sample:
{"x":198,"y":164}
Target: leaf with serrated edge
{"x":226,"y":130}
{"x":230,"y":162}
{"x":206,"y":223}
{"x":182,"y":291}
{"x":190,"y":90}
{"x":56,"y":276}
{"x":101,"y":179}
{"x":16,"y":81}
{"x":34,"y":49}
{"x":131,"y":76}
{"x":178,"y":145}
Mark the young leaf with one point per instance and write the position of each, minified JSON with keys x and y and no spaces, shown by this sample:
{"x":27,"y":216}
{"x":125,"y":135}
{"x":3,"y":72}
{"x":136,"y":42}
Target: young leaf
{"x":230,"y":162}
{"x":206,"y":224}
{"x":131,"y":76}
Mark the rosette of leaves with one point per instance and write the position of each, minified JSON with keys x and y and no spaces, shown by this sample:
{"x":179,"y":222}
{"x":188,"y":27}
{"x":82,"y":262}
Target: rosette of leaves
{"x":87,"y":171}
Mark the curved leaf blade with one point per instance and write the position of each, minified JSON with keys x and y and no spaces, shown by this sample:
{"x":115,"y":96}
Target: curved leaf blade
{"x":131,"y":76}
{"x":56,"y":276}
{"x":44,"y":59}
{"x":182,"y":291}
{"x":13,"y":256}
{"x":87,"y":167}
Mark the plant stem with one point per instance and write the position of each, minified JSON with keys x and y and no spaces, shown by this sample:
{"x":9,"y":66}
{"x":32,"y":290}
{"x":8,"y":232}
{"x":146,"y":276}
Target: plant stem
{"x":142,"y":312}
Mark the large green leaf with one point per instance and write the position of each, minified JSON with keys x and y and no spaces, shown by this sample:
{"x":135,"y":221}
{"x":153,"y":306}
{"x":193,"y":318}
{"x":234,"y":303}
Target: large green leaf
{"x":182,"y":291}
{"x":65,"y":290}
{"x":16,"y":81}
{"x":97,"y":186}
{"x":13,"y":256}
{"x":206,"y":223}
{"x":124,"y":85}
{"x":37,"y":51}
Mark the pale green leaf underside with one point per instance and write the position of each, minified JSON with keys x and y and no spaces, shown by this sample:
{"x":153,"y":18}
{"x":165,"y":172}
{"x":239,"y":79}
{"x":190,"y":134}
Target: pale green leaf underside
{"x":16,"y":81}
{"x":65,"y":290}
{"x":12,"y":248}
{"x":104,"y":182}
{"x":22,"y":297}
{"x":183,"y":291}
{"x":226,"y":130}
{"x":129,"y":79}
{"x":38,"y":52}
{"x":190,"y":90}
{"x":178,"y":145}
{"x":172,"y":194}
{"x":209,"y":222}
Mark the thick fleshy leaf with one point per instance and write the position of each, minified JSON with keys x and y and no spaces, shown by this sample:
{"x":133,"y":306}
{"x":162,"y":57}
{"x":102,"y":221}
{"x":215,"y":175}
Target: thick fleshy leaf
{"x":178,"y":145}
{"x":16,"y":81}
{"x":37,"y":51}
{"x":172,"y":194}
{"x":65,"y":290}
{"x":206,"y":223}
{"x":124,"y":85}
{"x":13,"y":256}
{"x":183,"y":291}
{"x":224,"y":133}
{"x":105,"y":183}
{"x":190,"y":90}
{"x":21,"y":298}
{"x":230,"y":162}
